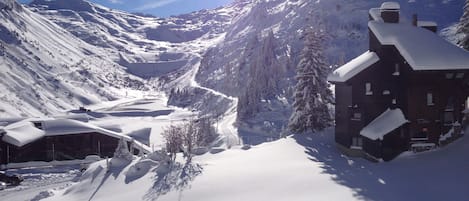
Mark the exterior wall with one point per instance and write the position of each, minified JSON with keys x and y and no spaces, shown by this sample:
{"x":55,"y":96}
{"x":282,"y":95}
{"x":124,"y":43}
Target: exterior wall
{"x":388,"y":148}
{"x":63,"y":147}
{"x":389,"y":90}
{"x":448,"y":95}
{"x":391,"y":16}
{"x":343,"y":95}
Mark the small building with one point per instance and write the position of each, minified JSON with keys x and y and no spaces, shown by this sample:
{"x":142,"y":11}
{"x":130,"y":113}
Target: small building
{"x":410,"y":86}
{"x":59,"y":140}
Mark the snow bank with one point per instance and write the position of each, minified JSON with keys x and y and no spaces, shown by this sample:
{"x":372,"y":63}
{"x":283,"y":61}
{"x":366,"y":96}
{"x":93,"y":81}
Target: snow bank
{"x":383,"y":124}
{"x":21,"y":133}
{"x":353,"y":67}
{"x":307,"y":167}
{"x":421,"y":48}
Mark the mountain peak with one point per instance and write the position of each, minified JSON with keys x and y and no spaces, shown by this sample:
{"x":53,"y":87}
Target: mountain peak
{"x":75,"y":5}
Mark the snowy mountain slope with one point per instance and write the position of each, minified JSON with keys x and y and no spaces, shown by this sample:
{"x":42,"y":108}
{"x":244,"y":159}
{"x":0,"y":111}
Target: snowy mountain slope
{"x":157,"y":45}
{"x":45,"y":69}
{"x":307,"y":167}
{"x":248,"y":47}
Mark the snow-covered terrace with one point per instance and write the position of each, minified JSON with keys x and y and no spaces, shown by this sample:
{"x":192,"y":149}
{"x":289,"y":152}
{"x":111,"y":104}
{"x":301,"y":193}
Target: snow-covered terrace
{"x":388,"y":121}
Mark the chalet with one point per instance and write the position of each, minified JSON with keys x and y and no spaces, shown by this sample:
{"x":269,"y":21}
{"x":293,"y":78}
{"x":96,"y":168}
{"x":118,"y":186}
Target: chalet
{"x":410,"y":86}
{"x":58,"y":140}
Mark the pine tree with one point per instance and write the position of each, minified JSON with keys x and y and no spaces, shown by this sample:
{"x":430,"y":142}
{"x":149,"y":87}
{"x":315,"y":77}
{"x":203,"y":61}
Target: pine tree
{"x":264,"y":75}
{"x":312,"y":94}
{"x":464,"y":27}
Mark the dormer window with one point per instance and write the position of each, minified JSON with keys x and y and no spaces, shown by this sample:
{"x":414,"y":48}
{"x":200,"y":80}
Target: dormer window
{"x":459,"y":75}
{"x":396,"y":70}
{"x":368,"y":91}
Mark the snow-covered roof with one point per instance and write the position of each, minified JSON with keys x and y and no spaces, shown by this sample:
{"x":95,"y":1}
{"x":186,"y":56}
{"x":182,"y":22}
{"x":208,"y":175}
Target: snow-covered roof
{"x":21,"y":133}
{"x":77,"y":116}
{"x":69,"y":127}
{"x":390,"y":6}
{"x":421,"y":48}
{"x":24,"y":132}
{"x":353,"y":67}
{"x":66,"y":126}
{"x":384,"y":124}
{"x":375,"y":13}
{"x":426,"y":24}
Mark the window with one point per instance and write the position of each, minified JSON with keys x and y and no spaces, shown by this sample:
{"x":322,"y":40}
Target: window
{"x":368,"y":89}
{"x":450,"y":104}
{"x":430,"y":99}
{"x":459,"y":75}
{"x":357,"y":143}
{"x":396,"y":70}
{"x":448,"y":118}
{"x":449,"y":75}
{"x":357,"y":116}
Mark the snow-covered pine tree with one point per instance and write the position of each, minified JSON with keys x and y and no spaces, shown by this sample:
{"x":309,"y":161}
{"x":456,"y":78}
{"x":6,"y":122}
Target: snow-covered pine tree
{"x":264,"y":75}
{"x":464,"y":27}
{"x":122,"y":151}
{"x":312,"y":94}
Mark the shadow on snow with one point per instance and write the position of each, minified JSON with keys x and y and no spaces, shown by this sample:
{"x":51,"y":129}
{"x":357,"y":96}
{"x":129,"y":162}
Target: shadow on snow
{"x":436,"y":175}
{"x":178,"y":177}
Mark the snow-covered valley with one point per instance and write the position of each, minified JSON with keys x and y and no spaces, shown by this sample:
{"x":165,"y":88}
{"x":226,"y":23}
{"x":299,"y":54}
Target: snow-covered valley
{"x":138,"y":75}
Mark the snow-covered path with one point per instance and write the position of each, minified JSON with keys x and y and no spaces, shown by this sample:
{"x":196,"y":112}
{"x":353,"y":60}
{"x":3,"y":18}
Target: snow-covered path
{"x":226,"y":125}
{"x":38,"y":180}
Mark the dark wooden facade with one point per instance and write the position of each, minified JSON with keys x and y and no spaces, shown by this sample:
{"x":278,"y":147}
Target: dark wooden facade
{"x":430,"y":100}
{"x":60,"y":147}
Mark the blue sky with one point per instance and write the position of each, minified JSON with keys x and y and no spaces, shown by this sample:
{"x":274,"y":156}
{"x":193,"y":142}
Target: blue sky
{"x":161,"y":8}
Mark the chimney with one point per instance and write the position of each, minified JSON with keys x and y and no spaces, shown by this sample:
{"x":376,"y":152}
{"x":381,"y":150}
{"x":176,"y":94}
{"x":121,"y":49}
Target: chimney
{"x":414,"y":20}
{"x":390,"y":12}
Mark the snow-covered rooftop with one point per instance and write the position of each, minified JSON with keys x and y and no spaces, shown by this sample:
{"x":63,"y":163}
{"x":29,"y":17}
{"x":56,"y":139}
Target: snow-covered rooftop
{"x":21,"y":133}
{"x":426,"y":23}
{"x":384,"y":124}
{"x":375,"y":13}
{"x":70,"y":127}
{"x":24,"y":132}
{"x":67,"y":126}
{"x":421,"y":48}
{"x":390,"y":6}
{"x":353,"y":67}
